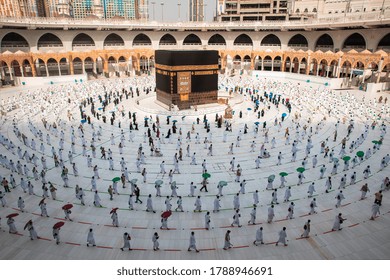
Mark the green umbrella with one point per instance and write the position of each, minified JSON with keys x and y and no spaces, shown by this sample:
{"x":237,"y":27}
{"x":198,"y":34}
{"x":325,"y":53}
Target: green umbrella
{"x":222,"y":183}
{"x":376,"y":142}
{"x":360,"y":154}
{"x":283,"y":174}
{"x":116,"y":179}
{"x":133,"y":181}
{"x":300,"y":169}
{"x":346,"y":158}
{"x":206,"y":175}
{"x":271,"y":178}
{"x":158,"y":182}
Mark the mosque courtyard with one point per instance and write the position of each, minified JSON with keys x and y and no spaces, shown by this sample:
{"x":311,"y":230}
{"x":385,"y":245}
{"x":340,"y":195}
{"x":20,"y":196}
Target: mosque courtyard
{"x":324,"y":133}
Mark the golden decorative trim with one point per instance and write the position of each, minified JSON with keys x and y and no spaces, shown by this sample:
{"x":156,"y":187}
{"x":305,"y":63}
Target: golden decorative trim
{"x":184,"y":84}
{"x":186,"y":67}
{"x":199,"y":73}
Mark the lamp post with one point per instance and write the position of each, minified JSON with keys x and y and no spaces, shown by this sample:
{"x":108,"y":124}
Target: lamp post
{"x":162,"y":11}
{"x":383,"y":7}
{"x":153,"y":3}
{"x":178,"y":10}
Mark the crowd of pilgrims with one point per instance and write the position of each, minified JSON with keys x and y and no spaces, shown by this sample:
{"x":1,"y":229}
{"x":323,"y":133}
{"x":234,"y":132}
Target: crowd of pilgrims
{"x":68,"y":121}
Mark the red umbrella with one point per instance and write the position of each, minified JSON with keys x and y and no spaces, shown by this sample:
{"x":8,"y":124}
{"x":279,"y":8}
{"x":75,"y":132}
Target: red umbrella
{"x":114,"y":210}
{"x":58,"y":225}
{"x":166,"y":214}
{"x":41,"y":202}
{"x":67,"y":206}
{"x":12,"y":215}
{"x":26,"y":225}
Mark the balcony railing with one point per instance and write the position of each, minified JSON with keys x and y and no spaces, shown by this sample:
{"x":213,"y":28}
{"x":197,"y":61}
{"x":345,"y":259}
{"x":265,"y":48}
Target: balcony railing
{"x":327,"y":21}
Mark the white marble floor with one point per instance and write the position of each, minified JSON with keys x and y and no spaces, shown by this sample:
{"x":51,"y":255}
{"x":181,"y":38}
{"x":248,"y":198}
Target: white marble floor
{"x":360,"y":238}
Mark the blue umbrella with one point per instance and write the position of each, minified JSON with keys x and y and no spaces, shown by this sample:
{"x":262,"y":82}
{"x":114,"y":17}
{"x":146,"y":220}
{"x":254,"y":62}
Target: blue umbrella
{"x":146,"y":119}
{"x":169,"y":116}
{"x":284,"y":115}
{"x":83,"y":121}
{"x":257,"y":123}
{"x":249,"y":109}
{"x":174,"y":121}
{"x":100,"y":108}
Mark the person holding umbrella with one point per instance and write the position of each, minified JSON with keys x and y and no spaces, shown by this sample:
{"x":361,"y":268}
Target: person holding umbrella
{"x":164,"y":223}
{"x":67,"y":211}
{"x":56,"y":231}
{"x":29,"y":226}
{"x":192,"y":243}
{"x":126,"y":241}
{"x":220,"y":188}
{"x":91,"y":238}
{"x":204,"y":181}
{"x":157,"y":186}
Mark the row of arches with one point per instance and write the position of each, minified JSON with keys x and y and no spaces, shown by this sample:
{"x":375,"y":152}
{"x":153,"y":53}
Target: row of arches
{"x":14,"y":41}
{"x":127,"y":64}
{"x":315,"y":67}
{"x":73,"y":66}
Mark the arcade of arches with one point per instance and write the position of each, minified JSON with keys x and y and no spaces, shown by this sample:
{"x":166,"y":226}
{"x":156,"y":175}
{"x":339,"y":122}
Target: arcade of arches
{"x":139,"y":61}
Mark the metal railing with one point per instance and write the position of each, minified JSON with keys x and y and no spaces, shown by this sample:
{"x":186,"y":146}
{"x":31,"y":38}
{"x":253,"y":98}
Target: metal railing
{"x":362,"y":19}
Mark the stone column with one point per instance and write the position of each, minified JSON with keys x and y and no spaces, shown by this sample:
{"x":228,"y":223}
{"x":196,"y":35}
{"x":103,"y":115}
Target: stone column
{"x":33,"y":70}
{"x":11,"y":76}
{"x":338,"y":68}
{"x":71,"y":67}
{"x":59,"y":69}
{"x":21,"y":70}
{"x":380,"y":65}
{"x":47,"y":70}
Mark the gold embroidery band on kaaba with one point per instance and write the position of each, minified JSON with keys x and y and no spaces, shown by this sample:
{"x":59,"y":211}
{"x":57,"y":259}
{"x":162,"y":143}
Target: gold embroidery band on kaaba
{"x":186,"y":67}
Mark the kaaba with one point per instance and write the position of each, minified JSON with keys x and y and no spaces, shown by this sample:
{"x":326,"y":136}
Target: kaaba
{"x":186,"y":78}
